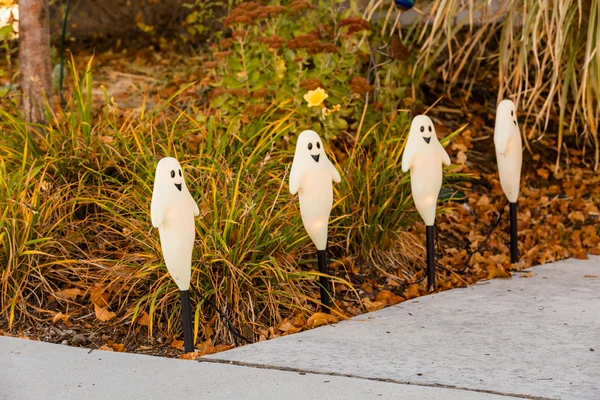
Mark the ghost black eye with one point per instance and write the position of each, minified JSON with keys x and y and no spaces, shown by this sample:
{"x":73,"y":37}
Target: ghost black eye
{"x":512,"y":113}
{"x":310,"y":146}
{"x":179,"y":172}
{"x":422,"y":129}
{"x":318,"y":145}
{"x":430,"y":129}
{"x":172,"y":174}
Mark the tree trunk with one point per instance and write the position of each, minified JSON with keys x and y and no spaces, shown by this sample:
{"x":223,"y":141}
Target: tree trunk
{"x":34,"y":58}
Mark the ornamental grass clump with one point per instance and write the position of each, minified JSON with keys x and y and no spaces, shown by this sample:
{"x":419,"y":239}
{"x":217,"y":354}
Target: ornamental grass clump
{"x":77,"y":243}
{"x":545,"y":54}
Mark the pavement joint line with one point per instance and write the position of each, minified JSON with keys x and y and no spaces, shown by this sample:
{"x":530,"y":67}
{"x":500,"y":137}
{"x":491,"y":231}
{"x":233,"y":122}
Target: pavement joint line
{"x":386,"y":380}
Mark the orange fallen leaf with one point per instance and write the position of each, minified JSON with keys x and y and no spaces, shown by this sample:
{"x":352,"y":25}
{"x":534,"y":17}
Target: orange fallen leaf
{"x":580,"y":254}
{"x":143,"y":319}
{"x":299,"y":320}
{"x":576,"y":216}
{"x":190,"y":356}
{"x":530,"y":274}
{"x":595,"y":251}
{"x":60,"y":316}
{"x":497,"y":271}
{"x":118,"y":347}
{"x":99,"y":296}
{"x":203,"y":345}
{"x":103,"y":314}
{"x":388,"y":297}
{"x":544,"y":173}
{"x":373,"y":305}
{"x":318,"y":319}
{"x":69,"y":294}
{"x":214,"y":349}
{"x":412,"y":291}
{"x":177,"y":344}
{"x":287,"y":327}
{"x":292,"y":330}
{"x":105,"y":347}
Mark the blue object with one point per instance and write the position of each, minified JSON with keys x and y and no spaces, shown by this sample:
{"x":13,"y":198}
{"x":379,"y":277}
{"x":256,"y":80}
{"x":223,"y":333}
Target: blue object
{"x":405,"y":4}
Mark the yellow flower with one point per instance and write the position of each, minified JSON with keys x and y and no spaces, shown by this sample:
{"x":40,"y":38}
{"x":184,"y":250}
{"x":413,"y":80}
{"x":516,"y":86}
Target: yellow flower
{"x":280,"y":67}
{"x":315,"y":97}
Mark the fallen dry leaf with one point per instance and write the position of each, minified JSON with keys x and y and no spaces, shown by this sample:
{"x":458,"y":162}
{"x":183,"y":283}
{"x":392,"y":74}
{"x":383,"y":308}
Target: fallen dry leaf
{"x":206,"y":348}
{"x":215,"y":349}
{"x":319,"y":319}
{"x":190,"y":356}
{"x":590,"y":276}
{"x":413,"y":291}
{"x":581,"y":254}
{"x":373,"y":305}
{"x":99,"y":296}
{"x":201,"y":346}
{"x":105,"y":347}
{"x":530,"y":274}
{"x":103,"y":314}
{"x":543,"y":172}
{"x":497,"y":271}
{"x":60,"y":317}
{"x":576,"y":216}
{"x":69,"y":294}
{"x":143,"y":319}
{"x":287,"y":327}
{"x":177,"y":344}
{"x":118,"y":347}
{"x":299,"y":320}
{"x":385,"y":296}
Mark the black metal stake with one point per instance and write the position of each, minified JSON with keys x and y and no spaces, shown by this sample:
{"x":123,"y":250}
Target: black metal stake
{"x":186,"y":316}
{"x":430,"y":257}
{"x":323,"y":281}
{"x":514,"y":237}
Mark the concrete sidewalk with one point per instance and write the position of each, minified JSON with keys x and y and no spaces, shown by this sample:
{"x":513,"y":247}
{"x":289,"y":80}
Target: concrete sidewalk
{"x":527,"y":337}
{"x":520,"y":338}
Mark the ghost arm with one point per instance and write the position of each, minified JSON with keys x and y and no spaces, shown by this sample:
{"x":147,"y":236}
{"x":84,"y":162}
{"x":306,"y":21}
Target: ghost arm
{"x":158,"y":208}
{"x":295,"y":177}
{"x":408,"y":156}
{"x":196,"y":209}
{"x":335,"y":174}
{"x":501,"y":139}
{"x":445,"y":156}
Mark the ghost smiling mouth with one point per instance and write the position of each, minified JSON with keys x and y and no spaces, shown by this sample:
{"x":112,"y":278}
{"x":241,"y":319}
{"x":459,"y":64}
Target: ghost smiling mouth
{"x":178,"y":186}
{"x":427,"y":139}
{"x":316,"y":158}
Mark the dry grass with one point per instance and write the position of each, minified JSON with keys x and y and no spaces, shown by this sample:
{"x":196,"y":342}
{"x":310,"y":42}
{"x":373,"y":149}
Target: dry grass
{"x":74,"y":200}
{"x":546,"y":54}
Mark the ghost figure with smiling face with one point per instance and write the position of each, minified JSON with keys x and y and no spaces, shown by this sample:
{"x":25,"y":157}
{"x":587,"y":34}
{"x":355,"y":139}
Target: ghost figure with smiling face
{"x":173,"y":210}
{"x":311,"y":177}
{"x":424,"y":156}
{"x":509,"y":150}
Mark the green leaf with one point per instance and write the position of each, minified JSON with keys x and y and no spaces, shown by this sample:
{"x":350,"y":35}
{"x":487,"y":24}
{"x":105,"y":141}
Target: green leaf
{"x":341,"y":123}
{"x":6,"y":30}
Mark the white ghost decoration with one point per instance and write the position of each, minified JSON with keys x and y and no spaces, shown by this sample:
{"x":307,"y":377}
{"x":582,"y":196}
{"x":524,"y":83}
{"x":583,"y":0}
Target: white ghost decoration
{"x":509,"y":150}
{"x":173,"y":210}
{"x":424,"y":156}
{"x":311,"y":177}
